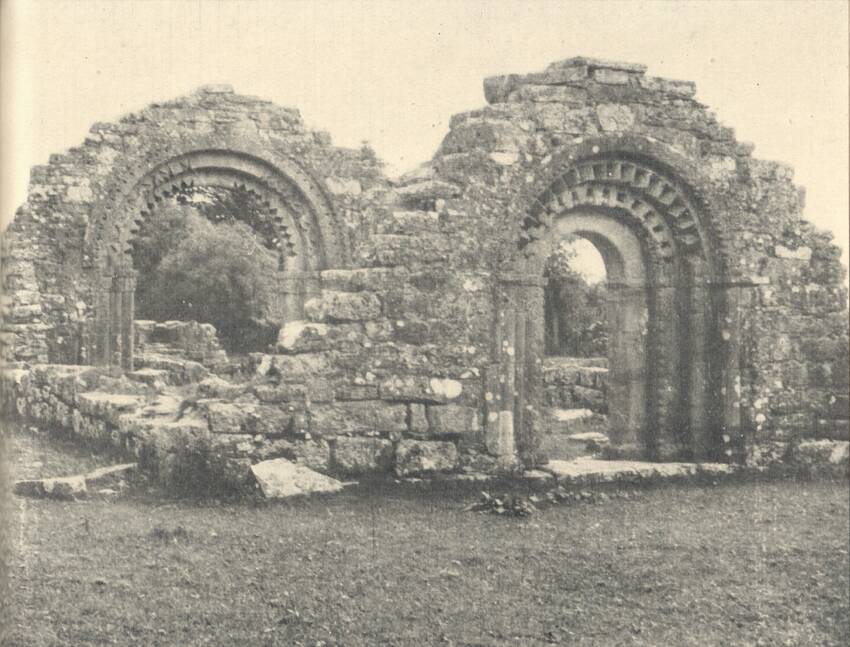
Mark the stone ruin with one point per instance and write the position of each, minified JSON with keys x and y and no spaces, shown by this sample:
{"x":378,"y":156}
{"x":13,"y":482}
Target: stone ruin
{"x":411,"y":311}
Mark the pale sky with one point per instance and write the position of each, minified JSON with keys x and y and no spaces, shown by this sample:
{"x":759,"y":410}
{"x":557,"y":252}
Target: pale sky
{"x":393,"y":73}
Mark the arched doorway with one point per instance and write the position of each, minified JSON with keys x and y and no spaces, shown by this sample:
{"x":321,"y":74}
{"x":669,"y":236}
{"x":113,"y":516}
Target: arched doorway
{"x":664,"y":394}
{"x":627,"y":317}
{"x":294,"y":219}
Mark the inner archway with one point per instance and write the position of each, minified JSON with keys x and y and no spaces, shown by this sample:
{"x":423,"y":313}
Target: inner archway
{"x":616,"y":385}
{"x":210,"y":255}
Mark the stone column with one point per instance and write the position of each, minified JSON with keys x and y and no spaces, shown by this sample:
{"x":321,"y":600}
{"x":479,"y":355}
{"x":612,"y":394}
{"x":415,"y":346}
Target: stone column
{"x":517,"y":345}
{"x":125,"y":286}
{"x":628,"y":319}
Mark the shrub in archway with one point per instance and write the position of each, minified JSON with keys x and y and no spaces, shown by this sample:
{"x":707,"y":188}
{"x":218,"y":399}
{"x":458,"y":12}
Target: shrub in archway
{"x":213,"y":273}
{"x":576,"y":313}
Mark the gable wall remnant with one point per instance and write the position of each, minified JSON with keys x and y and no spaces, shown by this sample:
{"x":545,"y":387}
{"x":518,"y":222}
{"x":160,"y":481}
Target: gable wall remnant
{"x":416,"y":326}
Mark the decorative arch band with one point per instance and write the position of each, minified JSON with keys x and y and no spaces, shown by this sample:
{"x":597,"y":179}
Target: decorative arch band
{"x":660,"y":206}
{"x":304,"y":220}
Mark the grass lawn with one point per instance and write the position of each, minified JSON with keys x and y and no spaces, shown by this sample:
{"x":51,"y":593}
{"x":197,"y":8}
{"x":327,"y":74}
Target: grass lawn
{"x":735,"y":564}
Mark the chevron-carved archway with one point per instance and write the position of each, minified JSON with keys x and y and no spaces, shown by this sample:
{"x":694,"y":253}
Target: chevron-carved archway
{"x":306,"y":235}
{"x":660,"y":204}
{"x":664,"y":375}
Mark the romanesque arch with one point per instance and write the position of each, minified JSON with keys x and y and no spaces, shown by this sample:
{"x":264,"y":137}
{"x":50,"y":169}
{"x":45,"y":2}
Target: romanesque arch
{"x":305,"y":235}
{"x":664,"y":391}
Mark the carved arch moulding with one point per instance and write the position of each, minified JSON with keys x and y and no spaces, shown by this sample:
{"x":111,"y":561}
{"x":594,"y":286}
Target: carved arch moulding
{"x":307,"y":235}
{"x":305,"y":218}
{"x":661,"y":207}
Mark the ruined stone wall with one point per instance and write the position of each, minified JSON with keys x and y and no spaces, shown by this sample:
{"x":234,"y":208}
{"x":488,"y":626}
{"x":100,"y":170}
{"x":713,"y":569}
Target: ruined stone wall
{"x":782,"y":315}
{"x":575,"y":383}
{"x":396,"y":356}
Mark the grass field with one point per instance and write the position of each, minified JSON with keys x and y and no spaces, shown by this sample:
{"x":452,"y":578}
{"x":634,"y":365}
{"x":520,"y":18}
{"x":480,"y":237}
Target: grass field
{"x":735,"y":564}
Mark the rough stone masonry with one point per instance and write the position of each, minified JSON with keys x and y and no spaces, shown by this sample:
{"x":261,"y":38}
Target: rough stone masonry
{"x":411,"y":310}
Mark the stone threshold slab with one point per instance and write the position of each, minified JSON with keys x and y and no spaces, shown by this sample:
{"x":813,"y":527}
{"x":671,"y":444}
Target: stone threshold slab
{"x":587,"y":470}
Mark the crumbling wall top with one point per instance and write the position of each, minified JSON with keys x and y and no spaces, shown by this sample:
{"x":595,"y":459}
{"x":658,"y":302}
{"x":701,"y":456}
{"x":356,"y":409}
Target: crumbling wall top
{"x":581,"y":72}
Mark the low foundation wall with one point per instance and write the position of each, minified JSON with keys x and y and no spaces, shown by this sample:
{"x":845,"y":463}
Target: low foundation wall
{"x":211,"y":439}
{"x":576,"y":383}
{"x":209,"y":434}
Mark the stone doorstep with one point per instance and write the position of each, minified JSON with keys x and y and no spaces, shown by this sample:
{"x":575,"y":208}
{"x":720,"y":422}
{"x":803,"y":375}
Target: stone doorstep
{"x":587,"y":470}
{"x":70,"y":487}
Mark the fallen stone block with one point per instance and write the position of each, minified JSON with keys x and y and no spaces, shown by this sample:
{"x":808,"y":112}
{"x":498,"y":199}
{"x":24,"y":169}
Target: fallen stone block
{"x":104,"y":475}
{"x":65,"y":488}
{"x":279,"y":478}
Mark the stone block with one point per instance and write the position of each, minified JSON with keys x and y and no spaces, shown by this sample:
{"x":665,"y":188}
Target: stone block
{"x":64,"y":488}
{"x":357,"y":392}
{"x":356,"y":280}
{"x":308,"y":337}
{"x":355,"y":456}
{"x":272,"y":422}
{"x":550,"y":94}
{"x":615,"y":117}
{"x":183,"y":371}
{"x":315,"y":453}
{"x":343,"y":306}
{"x":418,"y":388}
{"x":589,"y":397}
{"x":414,"y":457}
{"x":391,"y":250}
{"x":417,"y":419}
{"x":409,"y":223}
{"x":216,"y":387}
{"x":766,"y":453}
{"x":490,"y":135}
{"x":299,"y":368}
{"x":684,"y":89}
{"x":228,"y":417}
{"x":108,"y":406}
{"x":286,"y":392}
{"x":453,"y":419}
{"x":426,"y":191}
{"x":358,"y":418}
